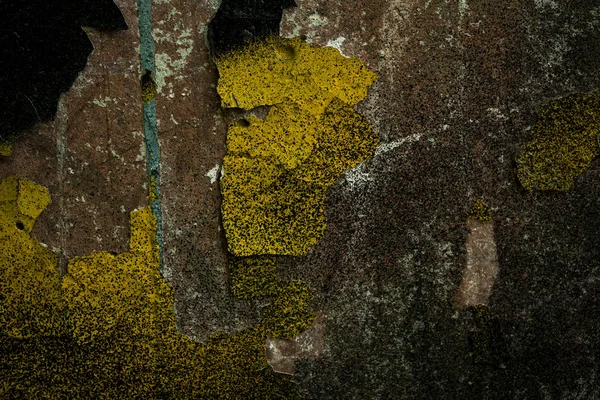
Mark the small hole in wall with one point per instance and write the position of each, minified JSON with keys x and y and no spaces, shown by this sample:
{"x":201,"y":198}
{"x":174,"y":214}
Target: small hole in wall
{"x":286,"y":53}
{"x":20,"y":225}
{"x":244,"y":123}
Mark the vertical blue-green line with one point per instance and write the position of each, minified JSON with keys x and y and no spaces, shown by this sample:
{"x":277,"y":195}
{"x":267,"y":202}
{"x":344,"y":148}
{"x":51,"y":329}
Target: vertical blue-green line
{"x":150,"y":129}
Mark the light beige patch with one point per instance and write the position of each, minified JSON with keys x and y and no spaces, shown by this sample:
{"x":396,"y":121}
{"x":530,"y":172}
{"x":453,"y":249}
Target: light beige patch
{"x":281,"y":353}
{"x":482,"y":264}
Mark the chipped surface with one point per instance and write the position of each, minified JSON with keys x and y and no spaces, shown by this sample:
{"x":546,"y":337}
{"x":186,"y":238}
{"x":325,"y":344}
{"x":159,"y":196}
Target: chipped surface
{"x":282,"y":353}
{"x":482,"y":264}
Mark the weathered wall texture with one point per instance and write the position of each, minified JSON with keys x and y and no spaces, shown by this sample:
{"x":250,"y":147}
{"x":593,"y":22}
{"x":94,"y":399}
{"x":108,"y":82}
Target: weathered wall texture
{"x":460,"y":83}
{"x":91,"y":157}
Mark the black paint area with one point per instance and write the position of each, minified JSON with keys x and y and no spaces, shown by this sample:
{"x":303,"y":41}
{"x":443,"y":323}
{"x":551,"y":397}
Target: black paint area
{"x":42,"y":50}
{"x":239,"y":22}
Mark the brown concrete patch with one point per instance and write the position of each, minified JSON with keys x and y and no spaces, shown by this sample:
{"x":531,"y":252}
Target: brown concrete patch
{"x":191,"y":132}
{"x":90,"y":156}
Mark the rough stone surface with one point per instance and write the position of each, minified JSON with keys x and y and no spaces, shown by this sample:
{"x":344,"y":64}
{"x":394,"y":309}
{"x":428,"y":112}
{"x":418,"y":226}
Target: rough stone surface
{"x":460,"y":84}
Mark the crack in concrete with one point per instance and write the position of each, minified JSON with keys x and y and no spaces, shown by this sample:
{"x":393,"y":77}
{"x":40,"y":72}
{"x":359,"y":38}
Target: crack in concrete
{"x":147,"y":50}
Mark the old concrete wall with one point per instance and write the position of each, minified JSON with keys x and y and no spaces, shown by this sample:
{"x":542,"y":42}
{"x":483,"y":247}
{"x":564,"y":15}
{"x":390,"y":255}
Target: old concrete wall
{"x":460,"y":83}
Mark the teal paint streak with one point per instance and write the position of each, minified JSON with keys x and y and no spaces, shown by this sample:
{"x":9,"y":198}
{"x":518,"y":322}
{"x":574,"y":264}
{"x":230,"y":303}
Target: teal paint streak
{"x":147,"y":50}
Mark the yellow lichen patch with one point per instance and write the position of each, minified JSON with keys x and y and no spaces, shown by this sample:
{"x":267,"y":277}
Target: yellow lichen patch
{"x":288,"y":314}
{"x":120,"y":295}
{"x":480,"y":211}
{"x":152,"y":190}
{"x":286,"y":144}
{"x":279,"y":70}
{"x":6,"y":149}
{"x":30,"y":301}
{"x":114,"y":334}
{"x":566,"y":140}
{"x":148,"y":87}
{"x":277,"y":174}
{"x":253,"y":277}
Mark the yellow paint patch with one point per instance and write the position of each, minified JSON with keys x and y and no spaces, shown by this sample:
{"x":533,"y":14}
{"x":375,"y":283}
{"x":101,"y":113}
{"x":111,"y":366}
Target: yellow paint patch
{"x":566,"y":140}
{"x":279,"y":70}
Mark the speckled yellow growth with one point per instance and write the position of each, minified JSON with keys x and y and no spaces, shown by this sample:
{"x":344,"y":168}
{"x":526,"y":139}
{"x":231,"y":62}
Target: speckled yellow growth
{"x":30,"y":302}
{"x":6,"y":149}
{"x":111,"y":332}
{"x":253,"y":277}
{"x":566,"y":140}
{"x":152,"y":190}
{"x":120,"y":295}
{"x":280,"y":70}
{"x":277,"y":173}
{"x":480,"y":211}
{"x":148,"y":87}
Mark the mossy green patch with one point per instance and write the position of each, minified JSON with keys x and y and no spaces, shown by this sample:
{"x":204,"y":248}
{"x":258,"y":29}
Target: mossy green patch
{"x":480,"y":211}
{"x":279,"y":70}
{"x":565,"y":141}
